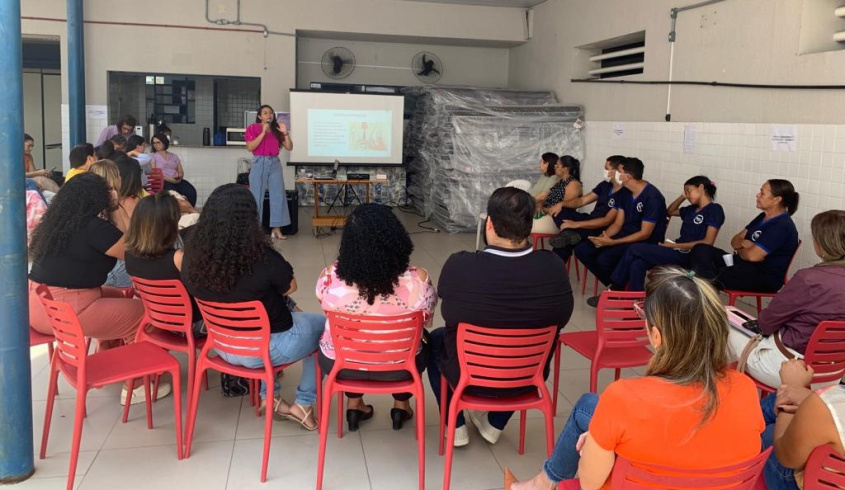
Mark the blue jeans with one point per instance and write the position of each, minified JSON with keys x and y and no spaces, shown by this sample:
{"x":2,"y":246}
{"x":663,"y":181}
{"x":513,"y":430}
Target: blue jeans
{"x":778,"y":477}
{"x":266,"y":172}
{"x":497,"y":419}
{"x":32,"y":186}
{"x":564,"y":461}
{"x":289,"y":346}
{"x":639,"y":258}
{"x":118,"y":277}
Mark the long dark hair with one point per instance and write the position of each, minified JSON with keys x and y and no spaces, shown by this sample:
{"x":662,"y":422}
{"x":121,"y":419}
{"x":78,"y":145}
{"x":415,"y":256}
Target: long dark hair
{"x":709,"y":185}
{"x":130,"y":175}
{"x":227,"y":242}
{"x":786,"y":192}
{"x":573,"y":164}
{"x":374,"y":251}
{"x":84,"y":197}
{"x":274,"y":126}
{"x":550,"y":159}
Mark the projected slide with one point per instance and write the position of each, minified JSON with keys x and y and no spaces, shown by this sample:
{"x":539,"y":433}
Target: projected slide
{"x":337,"y":133}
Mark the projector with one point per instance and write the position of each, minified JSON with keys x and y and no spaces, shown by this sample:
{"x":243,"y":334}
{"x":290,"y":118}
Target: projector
{"x":357,"y":176}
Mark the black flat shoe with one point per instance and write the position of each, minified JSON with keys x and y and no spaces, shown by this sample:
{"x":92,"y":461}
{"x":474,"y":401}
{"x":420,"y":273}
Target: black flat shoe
{"x":354,"y":416}
{"x":399,"y":416}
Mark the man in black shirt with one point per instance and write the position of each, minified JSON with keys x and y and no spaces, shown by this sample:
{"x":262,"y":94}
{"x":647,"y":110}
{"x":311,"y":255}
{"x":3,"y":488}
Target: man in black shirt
{"x":508,"y":285}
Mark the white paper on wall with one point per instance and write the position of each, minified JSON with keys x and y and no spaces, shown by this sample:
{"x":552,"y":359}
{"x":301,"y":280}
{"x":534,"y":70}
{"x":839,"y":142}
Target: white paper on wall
{"x":784,"y":137}
{"x":618,"y":132}
{"x":689,"y":138}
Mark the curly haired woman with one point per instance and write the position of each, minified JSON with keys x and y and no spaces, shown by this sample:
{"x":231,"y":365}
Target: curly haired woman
{"x":228,"y":259}
{"x":73,"y":250}
{"x":372,"y":276}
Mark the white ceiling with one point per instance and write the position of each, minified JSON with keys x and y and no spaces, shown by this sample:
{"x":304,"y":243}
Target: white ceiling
{"x":493,"y":3}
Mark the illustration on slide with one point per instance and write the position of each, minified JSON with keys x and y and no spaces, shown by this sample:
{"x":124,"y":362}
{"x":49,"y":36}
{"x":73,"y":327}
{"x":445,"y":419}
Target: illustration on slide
{"x":367,"y":136}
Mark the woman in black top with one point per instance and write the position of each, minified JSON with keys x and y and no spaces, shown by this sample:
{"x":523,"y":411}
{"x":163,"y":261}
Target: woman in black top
{"x":73,"y":249}
{"x":228,"y":259}
{"x":151,"y":243}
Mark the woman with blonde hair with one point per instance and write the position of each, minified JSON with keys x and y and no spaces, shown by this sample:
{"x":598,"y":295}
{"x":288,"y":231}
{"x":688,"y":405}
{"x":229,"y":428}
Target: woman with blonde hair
{"x":812,"y":295}
{"x":681,"y":412}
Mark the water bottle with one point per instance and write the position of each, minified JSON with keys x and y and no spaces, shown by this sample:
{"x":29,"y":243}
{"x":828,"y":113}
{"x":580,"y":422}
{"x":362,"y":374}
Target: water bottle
{"x":206,"y":137}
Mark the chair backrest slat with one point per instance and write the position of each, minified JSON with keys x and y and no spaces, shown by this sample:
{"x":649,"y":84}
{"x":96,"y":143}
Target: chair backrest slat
{"x":167,"y":304}
{"x":71,"y":349}
{"x":236,"y":328}
{"x":826,"y":351}
{"x":824,"y":469}
{"x":375,"y":343}
{"x":617,"y":323}
{"x":630,"y":475}
{"x":503,"y":358}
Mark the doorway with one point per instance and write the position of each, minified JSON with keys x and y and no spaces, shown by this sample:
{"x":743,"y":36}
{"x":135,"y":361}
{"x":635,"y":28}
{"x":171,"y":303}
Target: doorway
{"x":42,"y":100}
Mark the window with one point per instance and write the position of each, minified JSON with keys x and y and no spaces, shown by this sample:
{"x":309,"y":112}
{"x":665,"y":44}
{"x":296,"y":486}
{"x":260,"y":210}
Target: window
{"x":173,"y":99}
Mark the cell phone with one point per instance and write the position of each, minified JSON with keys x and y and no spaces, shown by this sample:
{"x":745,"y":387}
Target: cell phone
{"x":752,"y":326}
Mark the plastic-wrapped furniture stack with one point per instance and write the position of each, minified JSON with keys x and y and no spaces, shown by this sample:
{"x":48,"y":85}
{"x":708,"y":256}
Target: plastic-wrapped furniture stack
{"x":463,"y":143}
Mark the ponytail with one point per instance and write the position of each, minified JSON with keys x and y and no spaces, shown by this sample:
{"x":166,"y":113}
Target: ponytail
{"x":573,"y":165}
{"x":784,"y":189}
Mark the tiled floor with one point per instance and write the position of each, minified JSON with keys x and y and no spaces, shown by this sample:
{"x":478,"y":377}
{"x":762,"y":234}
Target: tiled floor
{"x":228,"y":438}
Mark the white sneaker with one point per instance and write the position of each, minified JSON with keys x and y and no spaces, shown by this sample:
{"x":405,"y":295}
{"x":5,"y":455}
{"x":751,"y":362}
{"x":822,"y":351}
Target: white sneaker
{"x":139,"y":396}
{"x":461,"y":436}
{"x":487,"y":431}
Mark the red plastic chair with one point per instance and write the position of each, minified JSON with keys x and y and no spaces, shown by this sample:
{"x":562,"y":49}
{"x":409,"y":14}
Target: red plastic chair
{"x":155,"y":181}
{"x":503,"y":359}
{"x":85,"y":372}
{"x":619,"y":340}
{"x":630,"y":475}
{"x":38,"y":338}
{"x":824,"y":469}
{"x":168,"y":319}
{"x":376,"y":344}
{"x":734,"y":295}
{"x":540,"y":238}
{"x":236,"y":328}
{"x":825,"y":354}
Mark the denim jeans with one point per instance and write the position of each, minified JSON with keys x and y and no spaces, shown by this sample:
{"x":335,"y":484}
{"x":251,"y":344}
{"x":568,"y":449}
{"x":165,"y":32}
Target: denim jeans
{"x":778,"y":477}
{"x":289,"y":346}
{"x":266,"y":172}
{"x":564,"y":461}
{"x":497,"y":419}
{"x":118,"y":277}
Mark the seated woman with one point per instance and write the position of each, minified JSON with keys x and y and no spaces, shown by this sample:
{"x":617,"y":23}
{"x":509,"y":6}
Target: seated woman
{"x":762,"y":250}
{"x":798,"y":421}
{"x":812,"y":295}
{"x":171,"y":167}
{"x":372,"y":276}
{"x":681,"y":413}
{"x":568,"y":170}
{"x":117,"y":278}
{"x":700,"y":223}
{"x":228,"y":259}
{"x":547,"y":179}
{"x":152,"y":241}
{"x":73,"y":250}
{"x":40,"y":177}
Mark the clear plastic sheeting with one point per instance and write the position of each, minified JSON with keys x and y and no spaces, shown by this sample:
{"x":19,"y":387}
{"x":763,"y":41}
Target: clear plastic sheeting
{"x":461,"y":144}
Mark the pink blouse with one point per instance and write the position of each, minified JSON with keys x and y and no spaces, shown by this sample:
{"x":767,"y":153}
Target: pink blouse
{"x":169,"y":166}
{"x":412,"y":294}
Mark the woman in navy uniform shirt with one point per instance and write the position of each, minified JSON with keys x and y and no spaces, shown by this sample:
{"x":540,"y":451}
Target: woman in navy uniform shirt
{"x":700,"y":224}
{"x":762,"y":250}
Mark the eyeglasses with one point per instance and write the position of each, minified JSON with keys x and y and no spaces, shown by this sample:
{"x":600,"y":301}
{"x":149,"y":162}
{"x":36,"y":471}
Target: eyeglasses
{"x":639,"y":308}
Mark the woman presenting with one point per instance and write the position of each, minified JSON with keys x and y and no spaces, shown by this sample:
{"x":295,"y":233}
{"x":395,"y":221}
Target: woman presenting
{"x":263,"y":139}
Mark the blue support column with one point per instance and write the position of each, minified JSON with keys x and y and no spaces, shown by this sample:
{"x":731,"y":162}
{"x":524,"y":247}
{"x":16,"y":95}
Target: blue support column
{"x":76,"y":72}
{"x":16,"y":460}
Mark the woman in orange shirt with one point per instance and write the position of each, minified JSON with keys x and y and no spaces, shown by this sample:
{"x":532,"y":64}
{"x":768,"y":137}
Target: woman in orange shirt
{"x":689,"y":411}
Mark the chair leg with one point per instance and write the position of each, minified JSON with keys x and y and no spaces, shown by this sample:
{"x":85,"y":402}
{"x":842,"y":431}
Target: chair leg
{"x":759,"y":305}
{"x":522,"y":432}
{"x":268,"y":426}
{"x":596,"y":287}
{"x":48,"y":413}
{"x":577,"y":270}
{"x":617,"y":373}
{"x":325,"y":408}
{"x":177,"y":409}
{"x":594,"y":374}
{"x":556,"y":383}
{"x":78,"y":418}
{"x":584,"y":282}
{"x":339,"y":414}
{"x":149,"y":401}
{"x":732,"y":300}
{"x":193,"y":406}
{"x":450,"y":441}
{"x":130,"y":385}
{"x":421,"y":435}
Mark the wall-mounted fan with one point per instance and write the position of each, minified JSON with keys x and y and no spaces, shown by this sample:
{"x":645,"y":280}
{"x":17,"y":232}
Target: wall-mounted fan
{"x":338,"y":63}
{"x":427,"y":67}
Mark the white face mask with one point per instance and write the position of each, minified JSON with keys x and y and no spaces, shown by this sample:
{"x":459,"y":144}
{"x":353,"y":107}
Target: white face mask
{"x":617,"y":177}
{"x":608,"y":175}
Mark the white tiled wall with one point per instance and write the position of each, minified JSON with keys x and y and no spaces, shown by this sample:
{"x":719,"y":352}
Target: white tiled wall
{"x":739,"y":159}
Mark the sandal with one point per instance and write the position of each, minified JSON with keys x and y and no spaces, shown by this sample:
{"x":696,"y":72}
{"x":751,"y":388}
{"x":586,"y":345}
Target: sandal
{"x":277,"y":400}
{"x":278,"y":235}
{"x":302,"y":421}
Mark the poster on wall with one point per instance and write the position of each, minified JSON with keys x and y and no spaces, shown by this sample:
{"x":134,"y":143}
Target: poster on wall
{"x":618,"y":132}
{"x":784,"y":137}
{"x":689,"y":138}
